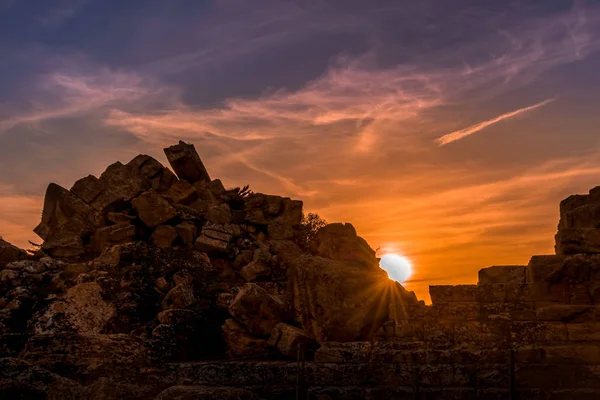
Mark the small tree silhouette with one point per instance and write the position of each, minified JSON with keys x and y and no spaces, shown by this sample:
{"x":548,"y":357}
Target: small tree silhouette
{"x":311,"y":223}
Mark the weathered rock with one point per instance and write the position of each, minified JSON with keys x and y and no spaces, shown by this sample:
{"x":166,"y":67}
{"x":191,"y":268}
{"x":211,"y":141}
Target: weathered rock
{"x":86,"y":357}
{"x":287,"y":339}
{"x":10,"y":253}
{"x":164,"y":181}
{"x":187,"y":232}
{"x":186,"y":162}
{"x":342,"y":301}
{"x":206,"y":393}
{"x":181,"y":296}
{"x":117,"y":217}
{"x":340,"y":242}
{"x":164,"y":236}
{"x":540,"y":268}
{"x":241,"y":342}
{"x":578,"y":240}
{"x":109,"y":257}
{"x":182,"y":192}
{"x":502,"y":274}
{"x":255,"y":271}
{"x":20,"y":379}
{"x":153,"y":209}
{"x":214,"y":238}
{"x":109,"y":236}
{"x":82,"y":310}
{"x":65,"y":219}
{"x":259,"y":311}
{"x":88,"y":188}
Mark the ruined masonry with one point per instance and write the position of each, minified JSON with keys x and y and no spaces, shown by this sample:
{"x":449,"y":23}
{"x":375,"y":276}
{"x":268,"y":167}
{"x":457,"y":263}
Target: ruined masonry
{"x":158,"y":283}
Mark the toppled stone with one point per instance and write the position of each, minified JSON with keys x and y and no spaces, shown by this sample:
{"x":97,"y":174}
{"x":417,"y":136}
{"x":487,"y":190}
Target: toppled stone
{"x":186,"y":163}
{"x":287,"y":339}
{"x":82,"y":310}
{"x":214,"y":238}
{"x":241,"y":342}
{"x":109,"y":236}
{"x":259,"y":311}
{"x":153,"y":209}
{"x":182,"y":192}
{"x":88,"y":188}
{"x":502,"y":274}
{"x":164,"y":236}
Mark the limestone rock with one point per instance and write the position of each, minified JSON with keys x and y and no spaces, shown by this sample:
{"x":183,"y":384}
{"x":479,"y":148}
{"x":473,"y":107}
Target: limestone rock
{"x":241,"y":342}
{"x":342,"y":301}
{"x":340,"y":242}
{"x":10,"y":253}
{"x":181,"y":296}
{"x":164,"y":236}
{"x":259,"y":311}
{"x":82,"y":310}
{"x":578,"y":240}
{"x":153,"y":209}
{"x":214,"y":238}
{"x":82,"y":357}
{"x":287,"y":338}
{"x":205,"y":393}
{"x":88,"y":188}
{"x":186,"y":162}
{"x":109,"y":236}
{"x":502,"y":274}
{"x":579,"y":226}
{"x":255,"y":271}
{"x":182,"y":192}
{"x":187,"y":232}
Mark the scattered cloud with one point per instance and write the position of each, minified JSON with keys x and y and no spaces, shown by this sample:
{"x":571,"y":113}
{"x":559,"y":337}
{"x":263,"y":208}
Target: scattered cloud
{"x":462,"y":133}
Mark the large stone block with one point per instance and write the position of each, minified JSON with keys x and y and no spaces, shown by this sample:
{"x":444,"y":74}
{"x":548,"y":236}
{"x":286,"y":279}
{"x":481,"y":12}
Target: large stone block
{"x":153,"y":209}
{"x":483,"y":293}
{"x":112,"y":235}
{"x":586,"y":332}
{"x":540,"y":267}
{"x":288,"y":339}
{"x":186,"y":162}
{"x":475,"y":331}
{"x":214,"y":238}
{"x":502,"y":274}
{"x":454,"y":311}
{"x":258,"y":310}
{"x":566,"y":313}
{"x":543,"y":292}
{"x":241,"y":342}
{"x":578,"y":240}
{"x":181,"y":192}
{"x":349,"y":352}
{"x":529,"y":332}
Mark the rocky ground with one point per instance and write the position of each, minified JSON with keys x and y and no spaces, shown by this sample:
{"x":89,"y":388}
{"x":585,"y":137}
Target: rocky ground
{"x":143,"y":268}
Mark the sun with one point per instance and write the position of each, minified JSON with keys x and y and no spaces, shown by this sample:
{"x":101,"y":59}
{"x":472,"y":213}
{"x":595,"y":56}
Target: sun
{"x":398,"y":267}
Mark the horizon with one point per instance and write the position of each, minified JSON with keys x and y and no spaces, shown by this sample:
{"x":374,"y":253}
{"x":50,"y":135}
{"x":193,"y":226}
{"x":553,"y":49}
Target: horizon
{"x":447,"y":135}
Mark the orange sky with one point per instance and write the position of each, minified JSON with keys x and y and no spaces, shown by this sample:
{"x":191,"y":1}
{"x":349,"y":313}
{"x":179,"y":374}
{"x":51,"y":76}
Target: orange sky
{"x":446,"y":135}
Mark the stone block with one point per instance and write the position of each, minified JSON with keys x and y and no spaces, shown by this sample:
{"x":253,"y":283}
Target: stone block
{"x":540,"y":267}
{"x":517,"y":311}
{"x":241,"y":342}
{"x":153,"y":209}
{"x":441,"y":333}
{"x":530,"y":332}
{"x":453,"y":311}
{"x":585,"y":332}
{"x":578,"y":241}
{"x":566,"y":313}
{"x":453,"y":293}
{"x":164,"y":236}
{"x":445,"y":375}
{"x":187,"y":232}
{"x":258,"y":310}
{"x":214,"y":238}
{"x":572,"y":354}
{"x":474,"y":331}
{"x":186,"y":162}
{"x":112,"y":235}
{"x":491,"y":293}
{"x":584,"y":216}
{"x":344,"y":352}
{"x":287,"y":339}
{"x":402,"y":329}
{"x":181,"y":192}
{"x":545,"y":292}
{"x":557,"y":376}
{"x":502,"y":274}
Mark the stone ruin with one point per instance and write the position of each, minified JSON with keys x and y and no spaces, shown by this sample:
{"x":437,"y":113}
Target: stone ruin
{"x":158,"y":285}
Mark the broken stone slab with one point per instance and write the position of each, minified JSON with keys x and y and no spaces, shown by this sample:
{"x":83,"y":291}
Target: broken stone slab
{"x":88,"y":188}
{"x":503,"y":274}
{"x":164,"y":236}
{"x":186,"y":162}
{"x":287,"y":338}
{"x":584,"y":216}
{"x":111,"y":235}
{"x":214,"y":238}
{"x":182,"y":192}
{"x":257,"y":310}
{"x":241,"y":342}
{"x":82,"y":310}
{"x":255,"y":271}
{"x":153,"y":209}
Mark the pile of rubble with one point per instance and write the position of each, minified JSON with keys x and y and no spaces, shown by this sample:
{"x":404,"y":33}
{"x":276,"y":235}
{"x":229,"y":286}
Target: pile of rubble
{"x":143,"y":266}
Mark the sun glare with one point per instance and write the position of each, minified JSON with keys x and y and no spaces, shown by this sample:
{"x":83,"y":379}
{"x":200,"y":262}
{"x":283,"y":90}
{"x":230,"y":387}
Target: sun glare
{"x":398,"y":267}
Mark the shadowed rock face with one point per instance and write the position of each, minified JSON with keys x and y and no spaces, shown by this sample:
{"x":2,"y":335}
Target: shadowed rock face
{"x":147,"y":281}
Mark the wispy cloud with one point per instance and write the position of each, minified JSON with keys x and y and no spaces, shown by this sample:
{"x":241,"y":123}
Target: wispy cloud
{"x":462,"y":133}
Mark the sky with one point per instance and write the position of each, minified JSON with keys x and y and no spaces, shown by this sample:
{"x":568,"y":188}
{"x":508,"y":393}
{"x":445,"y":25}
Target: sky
{"x":447,"y":132}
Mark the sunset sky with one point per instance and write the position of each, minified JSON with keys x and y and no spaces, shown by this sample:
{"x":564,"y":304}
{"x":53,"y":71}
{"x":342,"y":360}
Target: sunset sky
{"x":446,"y":131}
